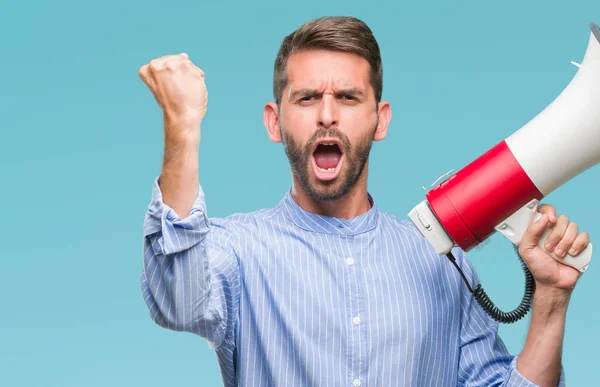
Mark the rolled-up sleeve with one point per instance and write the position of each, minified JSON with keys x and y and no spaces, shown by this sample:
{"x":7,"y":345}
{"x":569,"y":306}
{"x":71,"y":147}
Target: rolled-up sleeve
{"x":190,"y":276}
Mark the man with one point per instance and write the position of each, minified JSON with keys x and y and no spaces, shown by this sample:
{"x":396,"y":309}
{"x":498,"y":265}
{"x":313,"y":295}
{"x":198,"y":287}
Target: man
{"x":326,"y":289}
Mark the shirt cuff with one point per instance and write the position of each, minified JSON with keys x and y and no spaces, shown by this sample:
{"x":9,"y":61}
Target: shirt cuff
{"x":175,"y":234}
{"x":517,"y":379}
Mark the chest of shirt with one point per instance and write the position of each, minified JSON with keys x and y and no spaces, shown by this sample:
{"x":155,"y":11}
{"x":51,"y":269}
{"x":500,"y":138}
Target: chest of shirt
{"x":384,"y":285}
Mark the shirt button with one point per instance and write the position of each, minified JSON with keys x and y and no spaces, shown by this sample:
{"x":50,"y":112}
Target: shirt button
{"x":350,"y":261}
{"x":356,"y":383}
{"x":356,"y":321}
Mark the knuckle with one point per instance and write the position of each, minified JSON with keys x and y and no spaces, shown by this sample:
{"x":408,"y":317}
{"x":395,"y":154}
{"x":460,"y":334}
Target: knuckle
{"x":583,"y":238}
{"x":554,"y":238}
{"x":573,"y":228}
{"x":175,"y":64}
{"x":153,"y":65}
{"x":579,"y":245}
{"x":564,"y":245}
{"x":142,"y":71}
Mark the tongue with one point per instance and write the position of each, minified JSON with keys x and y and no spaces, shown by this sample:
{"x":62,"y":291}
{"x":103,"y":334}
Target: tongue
{"x":327,"y":156}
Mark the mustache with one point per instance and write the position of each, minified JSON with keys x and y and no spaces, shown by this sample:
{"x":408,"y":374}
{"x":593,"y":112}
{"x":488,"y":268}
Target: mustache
{"x":331,"y":132}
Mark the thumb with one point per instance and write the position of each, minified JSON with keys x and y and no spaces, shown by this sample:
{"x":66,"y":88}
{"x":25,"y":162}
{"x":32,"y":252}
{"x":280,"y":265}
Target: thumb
{"x":534,"y":232}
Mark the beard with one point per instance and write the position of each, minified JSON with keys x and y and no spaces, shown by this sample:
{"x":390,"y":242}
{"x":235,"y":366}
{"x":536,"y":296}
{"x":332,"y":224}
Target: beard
{"x":299,"y":157}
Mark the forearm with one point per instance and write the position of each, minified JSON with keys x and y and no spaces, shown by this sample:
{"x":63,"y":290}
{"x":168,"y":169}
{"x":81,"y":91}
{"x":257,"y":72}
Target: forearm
{"x":179,"y":176}
{"x":540,"y":360}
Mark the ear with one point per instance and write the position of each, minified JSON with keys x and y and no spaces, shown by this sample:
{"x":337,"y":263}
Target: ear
{"x":271,"y":119}
{"x":385,"y":116}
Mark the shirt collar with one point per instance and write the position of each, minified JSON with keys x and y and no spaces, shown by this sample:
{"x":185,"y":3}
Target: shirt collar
{"x":329,"y":225}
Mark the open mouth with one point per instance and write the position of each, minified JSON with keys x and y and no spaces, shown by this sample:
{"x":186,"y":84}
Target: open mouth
{"x":327,"y":159}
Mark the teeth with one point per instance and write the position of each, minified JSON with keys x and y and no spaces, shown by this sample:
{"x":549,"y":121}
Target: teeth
{"x":326,"y":170}
{"x":328,"y":143}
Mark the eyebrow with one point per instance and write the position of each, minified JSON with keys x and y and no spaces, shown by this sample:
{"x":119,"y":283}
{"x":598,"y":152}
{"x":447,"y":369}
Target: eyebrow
{"x":354,"y":91}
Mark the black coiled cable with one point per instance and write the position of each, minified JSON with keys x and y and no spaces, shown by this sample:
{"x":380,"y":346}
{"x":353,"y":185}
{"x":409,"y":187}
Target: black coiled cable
{"x":488,"y":306}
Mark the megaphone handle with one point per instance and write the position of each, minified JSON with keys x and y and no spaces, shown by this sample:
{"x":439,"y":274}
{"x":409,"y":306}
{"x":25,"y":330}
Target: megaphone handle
{"x":580,"y":261}
{"x":515,"y":226}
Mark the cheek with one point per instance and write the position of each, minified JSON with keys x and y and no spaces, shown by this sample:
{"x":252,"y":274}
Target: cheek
{"x":298,"y":126}
{"x":358,"y":126}
{"x":360,"y":113}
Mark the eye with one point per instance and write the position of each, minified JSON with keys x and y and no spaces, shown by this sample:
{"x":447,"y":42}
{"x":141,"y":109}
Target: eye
{"x":306,"y":100}
{"x":349,"y":98}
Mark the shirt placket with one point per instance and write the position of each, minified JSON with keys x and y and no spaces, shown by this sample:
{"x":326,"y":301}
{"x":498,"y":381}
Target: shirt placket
{"x":356,"y":318}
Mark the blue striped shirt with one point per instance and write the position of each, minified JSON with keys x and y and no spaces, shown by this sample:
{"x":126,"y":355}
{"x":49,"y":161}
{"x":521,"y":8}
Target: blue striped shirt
{"x":290,"y":298}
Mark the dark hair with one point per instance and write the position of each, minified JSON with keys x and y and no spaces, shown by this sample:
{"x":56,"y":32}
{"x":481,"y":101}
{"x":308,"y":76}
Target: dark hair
{"x":333,"y":33}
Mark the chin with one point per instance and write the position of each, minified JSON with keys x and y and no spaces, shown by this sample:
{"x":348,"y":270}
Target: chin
{"x":327,"y":190}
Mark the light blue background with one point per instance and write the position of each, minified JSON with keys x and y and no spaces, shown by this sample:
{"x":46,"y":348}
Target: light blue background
{"x":82,"y":143}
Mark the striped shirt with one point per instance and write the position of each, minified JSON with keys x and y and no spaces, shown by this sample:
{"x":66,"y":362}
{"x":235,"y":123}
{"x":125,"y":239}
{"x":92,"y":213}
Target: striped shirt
{"x":290,"y":298}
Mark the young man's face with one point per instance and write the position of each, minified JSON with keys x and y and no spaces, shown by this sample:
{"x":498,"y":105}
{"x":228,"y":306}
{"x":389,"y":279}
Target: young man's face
{"x":328,"y":120}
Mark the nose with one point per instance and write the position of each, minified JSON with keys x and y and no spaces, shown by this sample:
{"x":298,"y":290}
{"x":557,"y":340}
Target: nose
{"x":328,"y":112}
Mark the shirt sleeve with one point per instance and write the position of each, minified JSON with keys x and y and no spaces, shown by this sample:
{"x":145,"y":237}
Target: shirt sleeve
{"x":190,"y":275}
{"x":484,"y":358}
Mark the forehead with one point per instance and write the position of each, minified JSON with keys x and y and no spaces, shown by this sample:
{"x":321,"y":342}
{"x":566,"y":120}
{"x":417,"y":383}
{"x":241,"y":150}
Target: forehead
{"x":326,"y":69}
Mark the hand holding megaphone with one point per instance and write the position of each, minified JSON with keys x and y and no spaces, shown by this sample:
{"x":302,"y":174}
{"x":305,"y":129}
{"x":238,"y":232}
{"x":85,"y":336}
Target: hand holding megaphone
{"x":561,"y":235}
{"x":517,"y":224}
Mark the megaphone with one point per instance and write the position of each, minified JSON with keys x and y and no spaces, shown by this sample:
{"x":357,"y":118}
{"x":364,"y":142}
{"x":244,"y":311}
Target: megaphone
{"x":501,"y":189}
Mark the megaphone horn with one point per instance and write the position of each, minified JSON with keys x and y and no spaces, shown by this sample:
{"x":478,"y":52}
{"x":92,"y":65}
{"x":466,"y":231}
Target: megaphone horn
{"x":500,"y":190}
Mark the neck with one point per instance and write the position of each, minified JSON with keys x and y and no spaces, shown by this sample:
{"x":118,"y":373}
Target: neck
{"x":351,"y":205}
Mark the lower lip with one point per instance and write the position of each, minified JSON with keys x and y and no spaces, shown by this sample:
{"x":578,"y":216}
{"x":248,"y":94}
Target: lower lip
{"x":326,"y":175}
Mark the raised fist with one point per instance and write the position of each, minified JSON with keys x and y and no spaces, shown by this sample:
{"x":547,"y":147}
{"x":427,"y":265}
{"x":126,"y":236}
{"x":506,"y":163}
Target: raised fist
{"x":179,"y":89}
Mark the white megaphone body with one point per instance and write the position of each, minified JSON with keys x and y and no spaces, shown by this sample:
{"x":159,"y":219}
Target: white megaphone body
{"x":500,"y":190}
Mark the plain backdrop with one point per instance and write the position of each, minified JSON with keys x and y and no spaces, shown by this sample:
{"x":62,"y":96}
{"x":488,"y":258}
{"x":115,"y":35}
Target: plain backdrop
{"x":82,"y":143}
